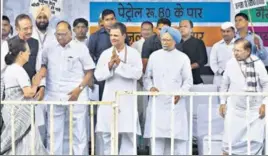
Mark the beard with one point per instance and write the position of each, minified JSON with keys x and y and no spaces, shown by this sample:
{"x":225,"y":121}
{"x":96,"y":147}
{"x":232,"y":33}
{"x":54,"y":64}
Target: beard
{"x":42,"y":26}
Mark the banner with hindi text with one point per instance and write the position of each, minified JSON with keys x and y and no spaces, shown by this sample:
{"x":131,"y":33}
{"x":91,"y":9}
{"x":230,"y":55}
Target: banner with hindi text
{"x":259,"y":14}
{"x":174,"y":11}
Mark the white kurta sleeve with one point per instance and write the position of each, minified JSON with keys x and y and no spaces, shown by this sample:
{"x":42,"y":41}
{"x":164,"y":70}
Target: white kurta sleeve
{"x":44,"y":61}
{"x":135,"y":45}
{"x":225,"y":83}
{"x":187,"y":77}
{"x":263,"y":79}
{"x":38,"y":65}
{"x":4,"y":51}
{"x":132,"y":69}
{"x":102,"y":71}
{"x":43,"y":82}
{"x":148,"y":76}
{"x":214,"y":60}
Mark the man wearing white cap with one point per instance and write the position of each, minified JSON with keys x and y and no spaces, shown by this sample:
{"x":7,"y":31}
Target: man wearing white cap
{"x":222,"y":52}
{"x":45,"y":37}
{"x":168,"y":70}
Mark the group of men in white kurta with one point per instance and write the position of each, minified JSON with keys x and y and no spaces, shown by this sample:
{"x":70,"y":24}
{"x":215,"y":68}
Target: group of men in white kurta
{"x":66,"y":68}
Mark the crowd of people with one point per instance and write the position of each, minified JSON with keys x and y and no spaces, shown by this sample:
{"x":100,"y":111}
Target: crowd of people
{"x":43,"y":64}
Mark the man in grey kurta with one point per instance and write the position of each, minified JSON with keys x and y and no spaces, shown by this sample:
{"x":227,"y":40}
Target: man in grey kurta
{"x":244,"y":73}
{"x":168,"y":70}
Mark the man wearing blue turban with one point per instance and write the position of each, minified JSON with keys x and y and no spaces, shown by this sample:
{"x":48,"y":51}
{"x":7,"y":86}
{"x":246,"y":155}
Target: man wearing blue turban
{"x":168,"y":70}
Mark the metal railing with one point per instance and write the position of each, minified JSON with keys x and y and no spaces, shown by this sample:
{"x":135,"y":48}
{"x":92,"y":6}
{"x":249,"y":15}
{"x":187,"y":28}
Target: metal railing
{"x":191,"y":94}
{"x":114,"y":125}
{"x":51,"y":130}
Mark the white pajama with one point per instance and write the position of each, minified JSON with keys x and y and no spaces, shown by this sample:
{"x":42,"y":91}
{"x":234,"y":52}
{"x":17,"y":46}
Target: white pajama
{"x":126,"y":145}
{"x":163,"y":146}
{"x":80,"y":140}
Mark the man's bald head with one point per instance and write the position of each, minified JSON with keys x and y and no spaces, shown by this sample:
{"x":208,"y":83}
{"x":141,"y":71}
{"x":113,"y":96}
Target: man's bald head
{"x":64,"y":25}
{"x":63,"y":33}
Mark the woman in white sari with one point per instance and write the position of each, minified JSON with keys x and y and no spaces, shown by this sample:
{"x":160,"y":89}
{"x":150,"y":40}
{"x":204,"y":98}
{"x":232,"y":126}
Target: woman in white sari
{"x":18,"y":87}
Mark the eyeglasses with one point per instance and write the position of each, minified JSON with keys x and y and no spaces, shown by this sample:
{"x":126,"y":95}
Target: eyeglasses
{"x":26,"y":29}
{"x":60,"y":34}
{"x":166,"y":40}
{"x":237,"y":51}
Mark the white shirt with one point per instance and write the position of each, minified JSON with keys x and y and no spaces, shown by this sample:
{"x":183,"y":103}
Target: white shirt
{"x":65,"y":69}
{"x":4,"y":51}
{"x":92,"y":94}
{"x":21,"y":77}
{"x":138,"y":44}
{"x":220,"y":54}
{"x":3,"y":40}
{"x":44,"y":40}
{"x":85,"y":41}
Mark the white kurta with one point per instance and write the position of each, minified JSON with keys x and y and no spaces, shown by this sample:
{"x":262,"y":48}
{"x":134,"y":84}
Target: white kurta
{"x":66,"y":68}
{"x":168,"y":71}
{"x":234,"y":81}
{"x":138,"y":44}
{"x":122,"y":78}
{"x":220,"y":54}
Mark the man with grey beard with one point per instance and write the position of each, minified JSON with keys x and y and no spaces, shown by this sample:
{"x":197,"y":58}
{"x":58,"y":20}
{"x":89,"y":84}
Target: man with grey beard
{"x":161,"y":76}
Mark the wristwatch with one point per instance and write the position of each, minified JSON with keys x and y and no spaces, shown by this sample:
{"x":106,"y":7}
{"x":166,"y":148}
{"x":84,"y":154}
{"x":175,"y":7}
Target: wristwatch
{"x":81,"y":87}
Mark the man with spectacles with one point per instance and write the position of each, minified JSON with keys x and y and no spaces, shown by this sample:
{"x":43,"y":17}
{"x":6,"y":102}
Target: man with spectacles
{"x":24,"y":27}
{"x":69,"y":69}
{"x":168,"y":70}
{"x":244,"y":73}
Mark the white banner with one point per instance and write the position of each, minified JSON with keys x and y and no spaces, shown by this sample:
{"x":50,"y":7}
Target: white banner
{"x":56,"y":6}
{"x":240,"y":5}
